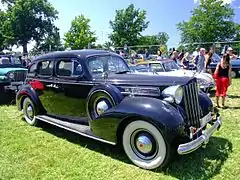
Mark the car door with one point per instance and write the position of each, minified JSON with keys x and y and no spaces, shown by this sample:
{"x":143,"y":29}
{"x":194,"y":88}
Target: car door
{"x":71,"y":90}
{"x":41,"y":78}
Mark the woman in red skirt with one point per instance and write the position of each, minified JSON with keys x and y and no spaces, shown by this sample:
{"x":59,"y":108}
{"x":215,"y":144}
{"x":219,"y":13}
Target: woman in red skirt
{"x":223,"y":79}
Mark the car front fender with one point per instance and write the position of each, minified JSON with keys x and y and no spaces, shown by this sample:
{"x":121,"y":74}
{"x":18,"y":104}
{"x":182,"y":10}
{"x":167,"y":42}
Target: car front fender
{"x":160,"y":113}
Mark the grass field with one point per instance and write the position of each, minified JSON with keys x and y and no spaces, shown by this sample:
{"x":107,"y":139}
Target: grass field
{"x":47,"y":152}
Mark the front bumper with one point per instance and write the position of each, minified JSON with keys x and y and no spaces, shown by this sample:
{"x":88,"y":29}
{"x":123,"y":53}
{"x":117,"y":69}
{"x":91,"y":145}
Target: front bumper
{"x":201,"y":140}
{"x":15,"y":86}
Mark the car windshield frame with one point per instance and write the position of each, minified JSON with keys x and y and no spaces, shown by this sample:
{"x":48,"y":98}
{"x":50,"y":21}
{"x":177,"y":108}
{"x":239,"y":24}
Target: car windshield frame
{"x":173,"y":66}
{"x":12,"y":61}
{"x":104,"y":67}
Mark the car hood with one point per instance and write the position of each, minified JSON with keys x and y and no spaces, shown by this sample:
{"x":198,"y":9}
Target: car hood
{"x":4,"y":71}
{"x":182,"y":73}
{"x":143,"y":79}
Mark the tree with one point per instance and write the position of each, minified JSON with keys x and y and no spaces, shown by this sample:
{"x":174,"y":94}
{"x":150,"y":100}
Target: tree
{"x":51,"y":42}
{"x":2,"y":39}
{"x":160,"y":39}
{"x":80,"y":35}
{"x":28,"y":20}
{"x":127,"y":26}
{"x":107,"y":45}
{"x":211,"y":21}
{"x":97,"y":46}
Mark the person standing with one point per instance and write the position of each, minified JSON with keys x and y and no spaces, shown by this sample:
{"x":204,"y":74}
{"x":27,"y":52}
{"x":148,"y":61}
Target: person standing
{"x":230,"y":52}
{"x":175,"y":56}
{"x":208,"y":61}
{"x":146,"y":54}
{"x":185,"y":61}
{"x":222,"y":75}
{"x":199,"y":61}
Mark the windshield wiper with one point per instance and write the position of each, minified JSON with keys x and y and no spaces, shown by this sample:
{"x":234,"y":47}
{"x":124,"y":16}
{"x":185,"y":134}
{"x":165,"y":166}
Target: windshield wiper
{"x":122,"y":72}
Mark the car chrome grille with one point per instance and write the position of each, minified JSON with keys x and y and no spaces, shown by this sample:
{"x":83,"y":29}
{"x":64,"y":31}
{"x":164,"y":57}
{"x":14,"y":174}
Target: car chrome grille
{"x":19,"y":76}
{"x":191,"y":104}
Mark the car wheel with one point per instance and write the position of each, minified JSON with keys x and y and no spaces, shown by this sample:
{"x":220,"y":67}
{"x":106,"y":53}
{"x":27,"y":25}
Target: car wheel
{"x":145,"y":146}
{"x":29,"y":112}
{"x":99,"y":101}
{"x":234,"y":74}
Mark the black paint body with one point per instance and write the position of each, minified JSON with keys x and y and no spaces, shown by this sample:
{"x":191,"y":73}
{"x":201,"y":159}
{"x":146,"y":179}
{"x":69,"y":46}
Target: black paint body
{"x":65,"y":97}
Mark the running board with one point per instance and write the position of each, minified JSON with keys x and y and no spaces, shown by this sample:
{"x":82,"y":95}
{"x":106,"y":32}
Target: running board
{"x":83,"y":130}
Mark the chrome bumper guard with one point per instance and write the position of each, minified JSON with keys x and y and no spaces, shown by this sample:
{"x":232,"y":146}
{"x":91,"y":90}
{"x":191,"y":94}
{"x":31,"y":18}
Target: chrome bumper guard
{"x":15,"y":86}
{"x":202,"y":140}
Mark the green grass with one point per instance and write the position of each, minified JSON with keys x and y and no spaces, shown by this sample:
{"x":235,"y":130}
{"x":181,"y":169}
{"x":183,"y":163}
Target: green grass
{"x":47,"y":152}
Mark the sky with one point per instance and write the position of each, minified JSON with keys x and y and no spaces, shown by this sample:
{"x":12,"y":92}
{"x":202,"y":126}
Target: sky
{"x":162,"y":14}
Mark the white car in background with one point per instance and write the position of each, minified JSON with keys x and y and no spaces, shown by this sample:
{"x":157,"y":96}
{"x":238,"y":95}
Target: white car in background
{"x":171,"y":68}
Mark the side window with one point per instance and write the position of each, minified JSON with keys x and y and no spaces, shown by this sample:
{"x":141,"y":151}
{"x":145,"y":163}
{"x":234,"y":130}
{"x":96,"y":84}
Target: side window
{"x":45,"y":68}
{"x":96,"y":65}
{"x":68,"y":68}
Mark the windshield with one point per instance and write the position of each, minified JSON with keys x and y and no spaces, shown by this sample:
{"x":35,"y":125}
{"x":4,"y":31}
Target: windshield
{"x":157,"y":67}
{"x":142,"y":68}
{"x":170,"y":66}
{"x":10,"y":60}
{"x":111,"y":64}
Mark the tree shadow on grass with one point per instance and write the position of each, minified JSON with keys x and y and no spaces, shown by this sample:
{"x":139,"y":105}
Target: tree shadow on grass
{"x":202,"y":164}
{"x":233,"y":96}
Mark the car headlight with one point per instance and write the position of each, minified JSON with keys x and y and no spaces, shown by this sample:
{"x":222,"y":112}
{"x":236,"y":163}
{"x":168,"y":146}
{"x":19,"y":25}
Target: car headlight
{"x":173,"y":94}
{"x":11,"y":75}
{"x":140,"y":90}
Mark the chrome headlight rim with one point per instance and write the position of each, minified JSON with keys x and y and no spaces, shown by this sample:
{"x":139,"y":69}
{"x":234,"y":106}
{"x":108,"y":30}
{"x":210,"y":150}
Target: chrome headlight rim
{"x":173,"y":93}
{"x":11,"y":75}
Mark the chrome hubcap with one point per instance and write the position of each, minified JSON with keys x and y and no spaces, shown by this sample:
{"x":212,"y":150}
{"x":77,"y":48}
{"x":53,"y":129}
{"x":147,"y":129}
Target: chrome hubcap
{"x":144,"y":144}
{"x":102,"y":107}
{"x":30,"y":112}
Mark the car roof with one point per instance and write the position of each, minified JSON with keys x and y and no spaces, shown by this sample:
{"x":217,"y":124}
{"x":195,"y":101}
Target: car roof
{"x":154,"y":62}
{"x":81,"y":53}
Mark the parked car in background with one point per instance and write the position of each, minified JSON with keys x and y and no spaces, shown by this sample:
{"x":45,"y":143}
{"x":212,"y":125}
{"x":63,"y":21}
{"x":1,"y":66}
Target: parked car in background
{"x":235,"y":63}
{"x":12,"y":74}
{"x":171,"y":68}
{"x":92,"y":93}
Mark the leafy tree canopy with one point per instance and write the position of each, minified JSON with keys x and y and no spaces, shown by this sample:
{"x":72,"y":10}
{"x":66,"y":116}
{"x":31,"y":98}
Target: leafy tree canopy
{"x":80,"y":34}
{"x":28,"y":20}
{"x":51,"y":42}
{"x":127,"y":26}
{"x":159,"y":39}
{"x":211,"y":21}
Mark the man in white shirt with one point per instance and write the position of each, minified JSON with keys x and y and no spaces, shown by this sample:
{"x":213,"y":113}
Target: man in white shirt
{"x":230,"y":52}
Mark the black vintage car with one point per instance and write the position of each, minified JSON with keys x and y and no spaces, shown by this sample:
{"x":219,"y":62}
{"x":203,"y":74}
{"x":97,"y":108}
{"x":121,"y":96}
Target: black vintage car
{"x":92,"y":93}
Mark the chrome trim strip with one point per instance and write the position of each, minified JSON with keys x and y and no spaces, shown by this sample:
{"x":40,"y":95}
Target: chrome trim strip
{"x":78,"y":132}
{"x":203,"y":139}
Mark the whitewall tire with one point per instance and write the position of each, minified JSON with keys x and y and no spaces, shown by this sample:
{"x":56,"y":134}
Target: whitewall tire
{"x":234,"y":74}
{"x":29,"y":112}
{"x":145,"y":145}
